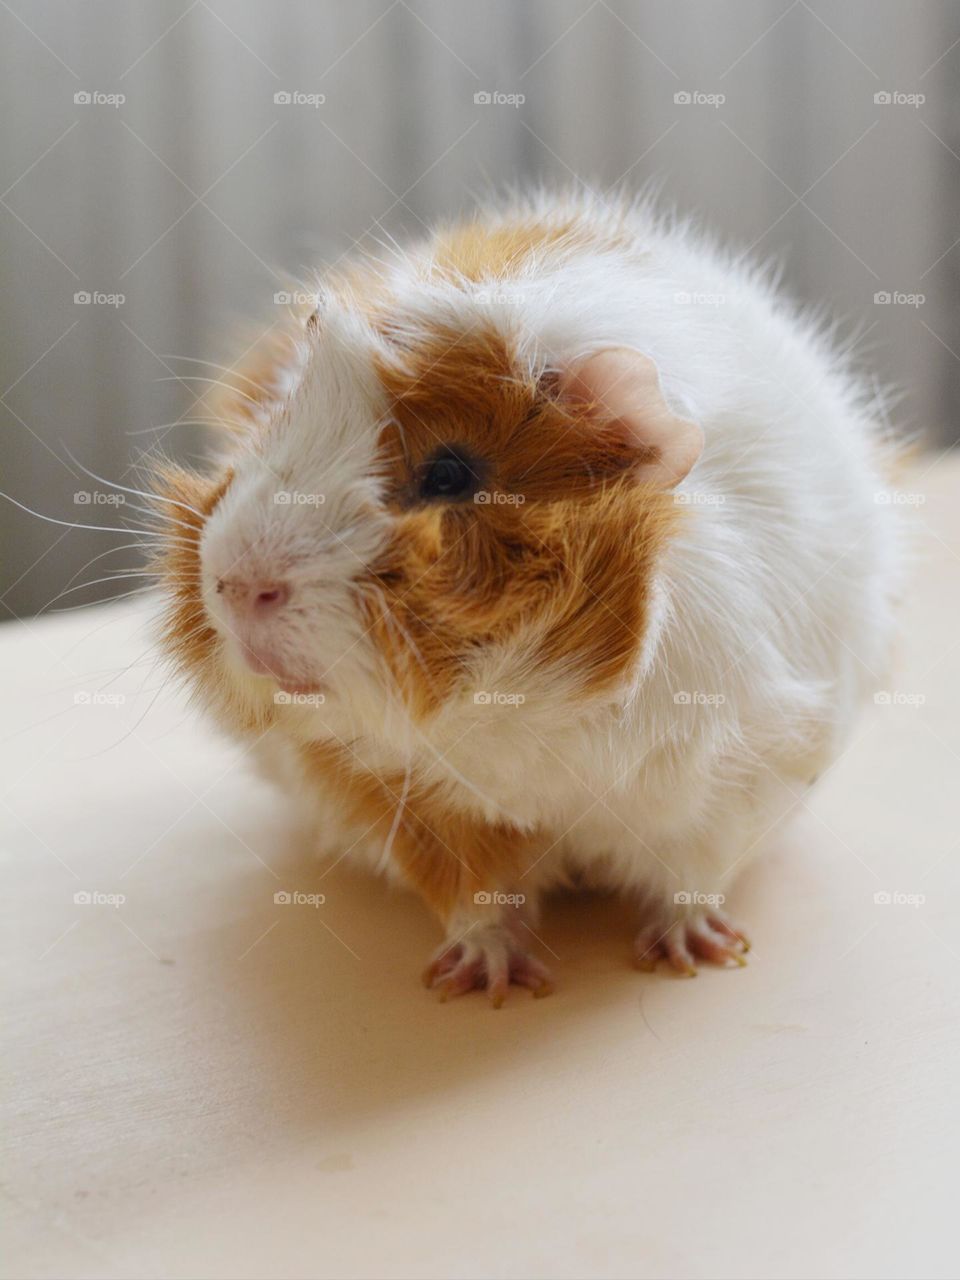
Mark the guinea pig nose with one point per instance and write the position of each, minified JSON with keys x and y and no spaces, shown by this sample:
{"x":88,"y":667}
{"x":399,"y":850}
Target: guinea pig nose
{"x":260,"y":598}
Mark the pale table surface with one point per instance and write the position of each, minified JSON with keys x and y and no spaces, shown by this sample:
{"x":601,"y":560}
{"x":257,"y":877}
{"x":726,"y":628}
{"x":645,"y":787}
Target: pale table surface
{"x":206,"y":1084}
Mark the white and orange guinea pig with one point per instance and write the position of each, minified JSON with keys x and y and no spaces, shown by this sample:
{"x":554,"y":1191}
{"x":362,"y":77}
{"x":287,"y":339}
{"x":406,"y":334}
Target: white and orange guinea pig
{"x":551,"y":550}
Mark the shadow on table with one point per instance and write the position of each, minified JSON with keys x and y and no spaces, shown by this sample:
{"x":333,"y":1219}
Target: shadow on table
{"x":329,"y":1006}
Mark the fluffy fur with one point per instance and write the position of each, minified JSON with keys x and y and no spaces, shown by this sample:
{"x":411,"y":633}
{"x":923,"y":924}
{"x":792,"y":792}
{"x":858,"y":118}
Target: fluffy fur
{"x":659,"y":669}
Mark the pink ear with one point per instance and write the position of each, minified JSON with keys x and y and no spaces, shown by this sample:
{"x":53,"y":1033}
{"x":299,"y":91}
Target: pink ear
{"x":622,"y":386}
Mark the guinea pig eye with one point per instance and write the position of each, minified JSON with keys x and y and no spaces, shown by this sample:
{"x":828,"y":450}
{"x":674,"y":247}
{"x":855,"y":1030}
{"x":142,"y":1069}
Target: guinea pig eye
{"x":449,"y":476}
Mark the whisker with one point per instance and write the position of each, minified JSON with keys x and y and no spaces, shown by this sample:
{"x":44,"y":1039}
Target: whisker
{"x":93,"y":583}
{"x":96,"y":630}
{"x":224,"y":368}
{"x":93,"y":755}
{"x":160,"y":515}
{"x":214,"y":382}
{"x":125,"y":595}
{"x":180,"y":422}
{"x":384,"y":860}
{"x":142,"y":493}
{"x":390,"y":619}
{"x":126,"y":546}
{"x":155,"y":659}
{"x":72,"y":524}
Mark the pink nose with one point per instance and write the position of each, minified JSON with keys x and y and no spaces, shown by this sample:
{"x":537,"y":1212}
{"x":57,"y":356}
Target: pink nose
{"x":257,"y":599}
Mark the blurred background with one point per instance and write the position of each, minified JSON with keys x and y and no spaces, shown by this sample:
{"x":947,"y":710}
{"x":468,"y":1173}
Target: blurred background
{"x":169,"y":167}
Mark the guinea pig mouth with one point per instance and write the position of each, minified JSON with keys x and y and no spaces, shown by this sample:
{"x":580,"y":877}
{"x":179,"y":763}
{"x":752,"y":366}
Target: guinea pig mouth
{"x":262,"y":662}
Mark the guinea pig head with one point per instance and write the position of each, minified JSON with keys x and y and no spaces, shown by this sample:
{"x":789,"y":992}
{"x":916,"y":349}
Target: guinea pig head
{"x":426,"y":506}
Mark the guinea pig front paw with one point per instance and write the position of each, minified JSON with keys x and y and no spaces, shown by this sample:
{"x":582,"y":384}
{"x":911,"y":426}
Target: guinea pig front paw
{"x":704,"y":935}
{"x":488,"y":959}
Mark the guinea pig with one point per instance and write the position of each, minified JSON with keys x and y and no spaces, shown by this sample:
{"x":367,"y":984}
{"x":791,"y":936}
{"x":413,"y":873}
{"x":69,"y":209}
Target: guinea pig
{"x":551,"y":549}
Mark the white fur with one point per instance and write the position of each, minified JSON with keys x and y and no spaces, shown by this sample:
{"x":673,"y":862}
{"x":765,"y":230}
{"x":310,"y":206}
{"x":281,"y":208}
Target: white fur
{"x":773,"y":607}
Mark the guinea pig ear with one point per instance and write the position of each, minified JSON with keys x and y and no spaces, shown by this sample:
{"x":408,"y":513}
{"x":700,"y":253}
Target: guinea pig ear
{"x":621,"y":387}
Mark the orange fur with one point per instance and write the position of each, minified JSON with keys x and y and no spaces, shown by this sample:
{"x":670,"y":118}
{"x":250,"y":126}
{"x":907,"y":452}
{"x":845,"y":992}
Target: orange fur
{"x":473,"y":250}
{"x":449,"y":857}
{"x":574,"y":553}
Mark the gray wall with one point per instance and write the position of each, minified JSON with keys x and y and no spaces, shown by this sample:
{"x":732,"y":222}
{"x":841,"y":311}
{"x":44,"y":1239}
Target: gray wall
{"x":198,"y":195}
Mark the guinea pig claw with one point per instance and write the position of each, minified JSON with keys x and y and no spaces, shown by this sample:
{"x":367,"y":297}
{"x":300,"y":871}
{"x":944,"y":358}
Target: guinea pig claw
{"x":492,"y":964}
{"x":722,"y":925}
{"x":697,"y":936}
{"x":685,"y":968}
{"x":441,"y":966}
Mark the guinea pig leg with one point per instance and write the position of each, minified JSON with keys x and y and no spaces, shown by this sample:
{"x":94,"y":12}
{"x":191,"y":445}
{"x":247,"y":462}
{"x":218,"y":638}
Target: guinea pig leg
{"x":487,"y":955}
{"x":701,"y":933}
{"x":466,"y":870}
